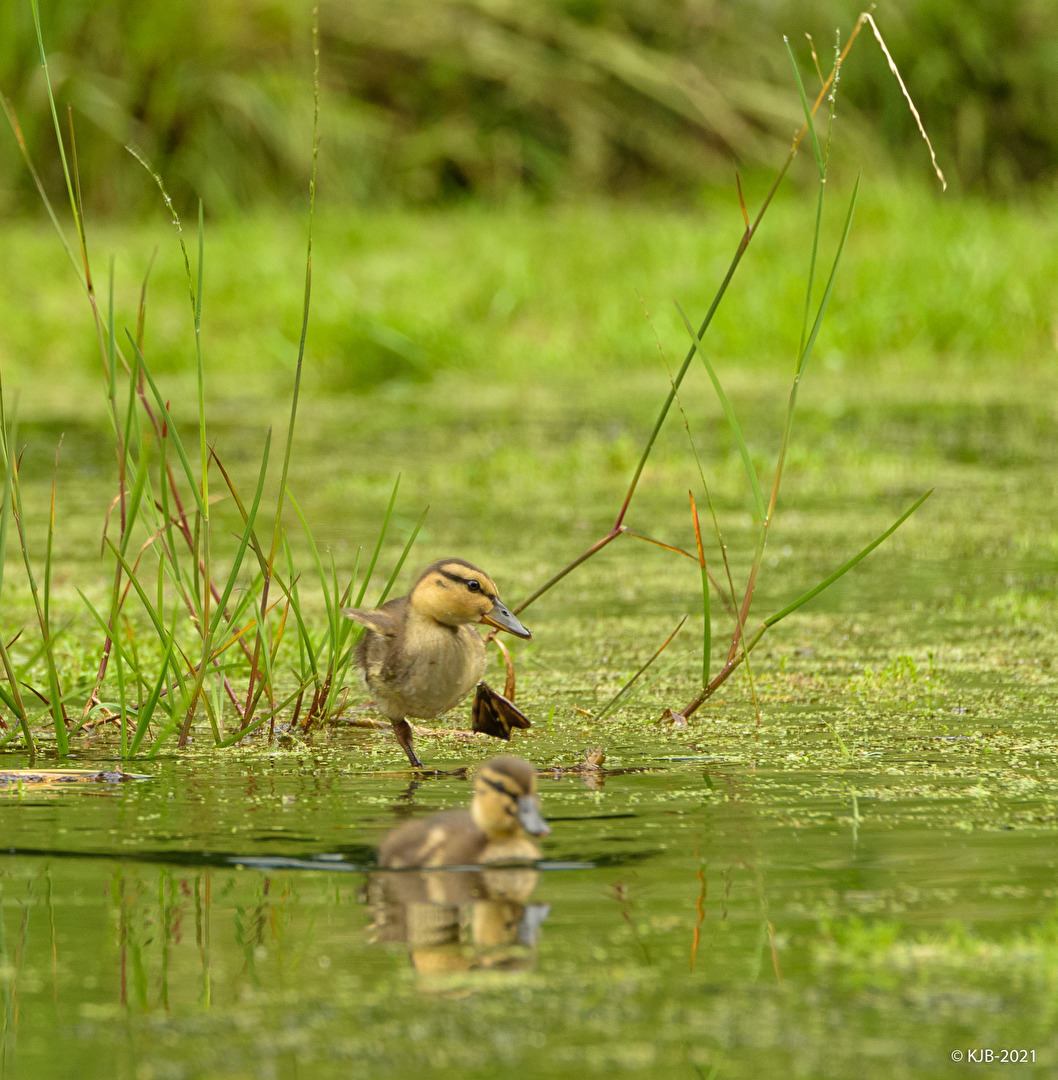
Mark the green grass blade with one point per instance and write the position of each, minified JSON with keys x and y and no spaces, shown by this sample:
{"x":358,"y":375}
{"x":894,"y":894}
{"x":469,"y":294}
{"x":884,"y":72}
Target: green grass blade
{"x":142,"y":468}
{"x":277,"y":530}
{"x":265,"y":658}
{"x":263,"y":719}
{"x":112,"y":352}
{"x":9,"y":701}
{"x":49,"y":543}
{"x":616,"y":699}
{"x":810,"y":344}
{"x":403,"y":557}
{"x":8,"y":439}
{"x":808,"y":112}
{"x":260,"y":646}
{"x":729,"y":413}
{"x":117,"y":653}
{"x":62,"y":742}
{"x":811,"y":276}
{"x":166,"y":509}
{"x":347,"y":629}
{"x":707,"y":627}
{"x":58,"y":129}
{"x":309,"y":652}
{"x":206,"y":531}
{"x":177,"y":709}
{"x":305,"y":652}
{"x":48,"y":206}
{"x":203,"y":448}
{"x":846,"y":567}
{"x":244,"y":538}
{"x":644,"y":685}
{"x":147,"y":710}
{"x":788,"y":421}
{"x":378,"y":545}
{"x":678,"y":380}
{"x":171,"y":426}
{"x":334,"y":609}
{"x":152,"y":614}
{"x":321,"y":572}
{"x":19,"y":707}
{"x":127,"y":658}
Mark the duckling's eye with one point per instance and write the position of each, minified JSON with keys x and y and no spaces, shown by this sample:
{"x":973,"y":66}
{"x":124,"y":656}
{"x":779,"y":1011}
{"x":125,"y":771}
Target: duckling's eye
{"x":473,"y":585}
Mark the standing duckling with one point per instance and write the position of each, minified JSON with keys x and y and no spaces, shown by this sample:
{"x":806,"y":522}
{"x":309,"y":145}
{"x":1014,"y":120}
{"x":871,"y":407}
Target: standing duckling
{"x":420,"y":654}
{"x":504,"y":813}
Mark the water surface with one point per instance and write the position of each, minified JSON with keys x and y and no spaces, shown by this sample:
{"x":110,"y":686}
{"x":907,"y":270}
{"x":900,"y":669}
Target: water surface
{"x":862,"y":883}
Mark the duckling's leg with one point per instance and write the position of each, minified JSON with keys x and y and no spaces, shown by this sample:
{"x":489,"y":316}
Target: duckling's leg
{"x":402,"y":729}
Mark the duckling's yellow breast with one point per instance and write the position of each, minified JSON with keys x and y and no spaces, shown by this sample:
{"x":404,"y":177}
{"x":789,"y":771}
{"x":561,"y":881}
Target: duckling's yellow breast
{"x":514,"y":848}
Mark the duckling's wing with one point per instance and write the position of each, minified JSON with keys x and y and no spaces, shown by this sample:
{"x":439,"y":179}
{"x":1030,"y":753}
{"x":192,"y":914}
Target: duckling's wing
{"x":492,"y":714}
{"x":385,"y":621}
{"x":449,"y":838}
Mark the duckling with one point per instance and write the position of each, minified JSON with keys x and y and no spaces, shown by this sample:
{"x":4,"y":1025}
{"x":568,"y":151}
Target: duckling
{"x":503,"y":814}
{"x":420,"y":655}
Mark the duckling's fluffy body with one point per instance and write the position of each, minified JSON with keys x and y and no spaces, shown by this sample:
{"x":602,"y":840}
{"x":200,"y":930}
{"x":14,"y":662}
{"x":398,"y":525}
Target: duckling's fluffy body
{"x":504,"y":812}
{"x":448,"y":838}
{"x":423,"y":667}
{"x":420,"y":654}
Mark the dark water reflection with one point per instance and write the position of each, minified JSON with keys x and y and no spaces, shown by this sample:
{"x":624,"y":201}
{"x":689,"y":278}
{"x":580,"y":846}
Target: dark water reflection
{"x":226,"y":920}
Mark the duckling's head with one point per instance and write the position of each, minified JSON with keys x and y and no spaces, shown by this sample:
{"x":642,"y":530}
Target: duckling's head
{"x":505,"y":800}
{"x":454,"y":592}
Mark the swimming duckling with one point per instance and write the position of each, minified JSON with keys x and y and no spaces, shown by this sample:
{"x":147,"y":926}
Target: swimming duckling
{"x":420,"y":655}
{"x":504,"y":813}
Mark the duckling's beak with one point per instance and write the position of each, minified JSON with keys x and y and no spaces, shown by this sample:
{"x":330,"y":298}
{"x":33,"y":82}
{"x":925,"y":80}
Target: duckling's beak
{"x":501,"y":618}
{"x":530,"y":817}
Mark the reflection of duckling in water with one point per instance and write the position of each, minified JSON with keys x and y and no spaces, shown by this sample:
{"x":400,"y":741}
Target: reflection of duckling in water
{"x":420,"y":655}
{"x":459,"y":920}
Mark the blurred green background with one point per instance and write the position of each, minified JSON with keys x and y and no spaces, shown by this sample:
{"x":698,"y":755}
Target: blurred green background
{"x":428,"y":102}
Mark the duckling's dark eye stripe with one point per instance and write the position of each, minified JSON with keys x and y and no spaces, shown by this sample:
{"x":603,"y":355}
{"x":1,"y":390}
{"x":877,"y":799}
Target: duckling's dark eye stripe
{"x":496,"y":785}
{"x":460,"y":580}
